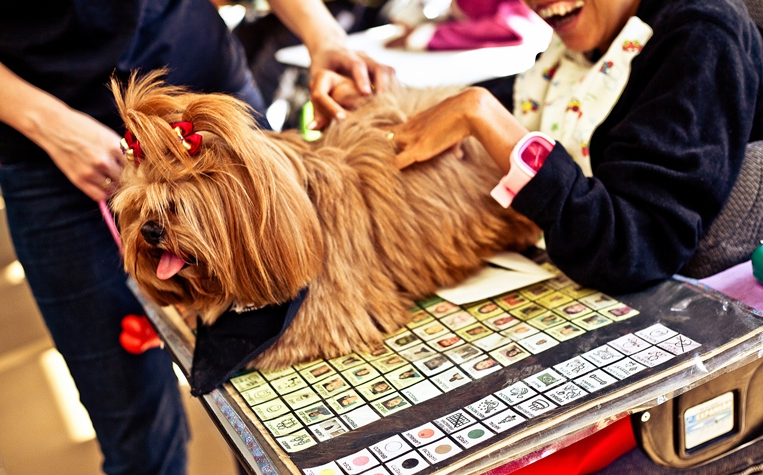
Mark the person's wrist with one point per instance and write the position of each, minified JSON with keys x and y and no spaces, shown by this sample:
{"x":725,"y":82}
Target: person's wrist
{"x":527,"y":158}
{"x":325,"y":42}
{"x":41,"y":121}
{"x":494,"y":127}
{"x":477,"y":113}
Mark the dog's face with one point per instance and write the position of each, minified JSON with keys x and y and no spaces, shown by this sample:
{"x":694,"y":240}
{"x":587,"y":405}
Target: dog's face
{"x":228,"y":223}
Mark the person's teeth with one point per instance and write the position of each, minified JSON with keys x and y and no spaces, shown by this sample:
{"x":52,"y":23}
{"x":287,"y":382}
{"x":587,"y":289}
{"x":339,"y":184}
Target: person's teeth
{"x":559,"y":9}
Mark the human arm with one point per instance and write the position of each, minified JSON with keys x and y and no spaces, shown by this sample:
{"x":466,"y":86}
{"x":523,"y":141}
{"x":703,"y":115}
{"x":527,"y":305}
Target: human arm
{"x":664,"y":161}
{"x":325,"y":40}
{"x":85,"y":150}
{"x":474,"y":112}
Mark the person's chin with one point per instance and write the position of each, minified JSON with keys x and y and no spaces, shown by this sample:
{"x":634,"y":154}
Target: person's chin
{"x":577,"y":41}
{"x":576,"y":32}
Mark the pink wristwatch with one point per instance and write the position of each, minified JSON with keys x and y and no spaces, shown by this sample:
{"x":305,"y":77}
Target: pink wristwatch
{"x":528,"y":156}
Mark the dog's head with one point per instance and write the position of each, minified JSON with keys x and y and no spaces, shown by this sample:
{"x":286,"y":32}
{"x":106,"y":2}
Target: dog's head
{"x":227,"y":221}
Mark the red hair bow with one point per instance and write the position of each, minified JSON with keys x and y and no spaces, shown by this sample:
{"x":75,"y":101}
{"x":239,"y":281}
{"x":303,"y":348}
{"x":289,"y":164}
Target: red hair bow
{"x":191,"y":141}
{"x":131,"y":147}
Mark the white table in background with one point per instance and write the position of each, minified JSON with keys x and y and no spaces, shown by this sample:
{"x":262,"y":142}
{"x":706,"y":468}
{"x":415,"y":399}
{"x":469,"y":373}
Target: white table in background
{"x":435,"y":68}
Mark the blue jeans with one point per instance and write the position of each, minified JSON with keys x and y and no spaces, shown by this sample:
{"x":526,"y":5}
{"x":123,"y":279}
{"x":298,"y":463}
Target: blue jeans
{"x":75,"y":272}
{"x":74,"y":269}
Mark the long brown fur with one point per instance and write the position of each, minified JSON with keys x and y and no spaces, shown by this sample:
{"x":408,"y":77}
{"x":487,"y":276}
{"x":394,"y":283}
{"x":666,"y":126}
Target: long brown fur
{"x":260,"y":215}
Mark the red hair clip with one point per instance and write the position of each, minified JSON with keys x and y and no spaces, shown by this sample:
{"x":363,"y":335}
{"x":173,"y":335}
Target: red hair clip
{"x":191,"y":141}
{"x":131,"y":147}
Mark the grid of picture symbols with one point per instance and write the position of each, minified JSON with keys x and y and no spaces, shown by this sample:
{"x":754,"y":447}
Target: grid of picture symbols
{"x":447,"y":346}
{"x":414,"y":450}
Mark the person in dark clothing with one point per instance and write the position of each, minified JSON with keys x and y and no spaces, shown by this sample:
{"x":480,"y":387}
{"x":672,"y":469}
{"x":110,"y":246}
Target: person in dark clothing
{"x":646,"y":108}
{"x":59,"y":150}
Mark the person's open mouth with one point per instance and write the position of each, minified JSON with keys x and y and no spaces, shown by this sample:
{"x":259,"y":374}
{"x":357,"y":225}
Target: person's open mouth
{"x":559,"y":14}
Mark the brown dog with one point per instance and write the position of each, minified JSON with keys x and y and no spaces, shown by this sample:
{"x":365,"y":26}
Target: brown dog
{"x":253,"y":217}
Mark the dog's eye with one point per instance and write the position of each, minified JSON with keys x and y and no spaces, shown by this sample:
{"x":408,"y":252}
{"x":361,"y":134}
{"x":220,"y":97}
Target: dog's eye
{"x":171,"y":208}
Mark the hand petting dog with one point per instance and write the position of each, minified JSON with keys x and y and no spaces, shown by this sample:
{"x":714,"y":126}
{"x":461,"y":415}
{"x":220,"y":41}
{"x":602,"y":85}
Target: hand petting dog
{"x":240,"y":219}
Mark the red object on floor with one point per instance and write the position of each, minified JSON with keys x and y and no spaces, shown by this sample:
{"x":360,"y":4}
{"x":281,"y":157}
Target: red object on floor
{"x":585,"y":456}
{"x":138,"y":335}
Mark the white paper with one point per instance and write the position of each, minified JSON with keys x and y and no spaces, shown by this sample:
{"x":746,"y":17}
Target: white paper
{"x":489,"y":282}
{"x":518,"y":262}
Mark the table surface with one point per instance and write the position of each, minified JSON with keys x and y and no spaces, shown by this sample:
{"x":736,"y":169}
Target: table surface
{"x":436,"y":68}
{"x":727,"y":331}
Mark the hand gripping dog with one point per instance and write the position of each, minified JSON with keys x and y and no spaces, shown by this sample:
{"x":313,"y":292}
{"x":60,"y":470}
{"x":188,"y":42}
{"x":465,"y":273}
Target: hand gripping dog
{"x":250,"y":219}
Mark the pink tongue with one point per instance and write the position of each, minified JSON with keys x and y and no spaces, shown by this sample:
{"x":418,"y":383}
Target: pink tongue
{"x":169,"y":265}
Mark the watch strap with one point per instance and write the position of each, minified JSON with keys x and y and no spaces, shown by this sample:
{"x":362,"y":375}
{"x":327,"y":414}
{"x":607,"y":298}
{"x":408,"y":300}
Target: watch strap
{"x":520,"y":173}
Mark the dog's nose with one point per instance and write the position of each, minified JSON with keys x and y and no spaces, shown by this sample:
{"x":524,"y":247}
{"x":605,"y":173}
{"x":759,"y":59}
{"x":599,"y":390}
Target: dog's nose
{"x":152,"y":232}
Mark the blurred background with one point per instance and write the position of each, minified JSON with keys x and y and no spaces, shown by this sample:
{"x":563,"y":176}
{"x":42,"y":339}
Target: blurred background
{"x":285,"y":88}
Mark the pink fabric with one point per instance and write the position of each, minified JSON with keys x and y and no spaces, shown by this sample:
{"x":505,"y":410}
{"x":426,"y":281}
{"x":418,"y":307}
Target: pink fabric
{"x":480,"y":8}
{"x":491,"y":23}
{"x":738,"y":283}
{"x":473,"y":34}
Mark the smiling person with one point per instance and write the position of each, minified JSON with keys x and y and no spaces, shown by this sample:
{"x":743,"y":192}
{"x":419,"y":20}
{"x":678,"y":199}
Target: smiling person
{"x":641,"y":111}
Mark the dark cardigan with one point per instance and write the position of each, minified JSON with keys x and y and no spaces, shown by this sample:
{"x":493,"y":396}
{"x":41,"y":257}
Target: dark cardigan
{"x":667,"y":156}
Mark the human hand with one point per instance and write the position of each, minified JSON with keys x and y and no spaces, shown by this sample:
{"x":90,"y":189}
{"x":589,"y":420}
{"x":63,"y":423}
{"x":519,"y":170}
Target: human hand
{"x":367,"y":75}
{"x":342,"y":91}
{"x":85,"y":150}
{"x":433,"y":131}
{"x":473,"y":112}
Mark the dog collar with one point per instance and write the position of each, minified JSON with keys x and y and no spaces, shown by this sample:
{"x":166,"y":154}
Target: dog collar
{"x":235,"y":339}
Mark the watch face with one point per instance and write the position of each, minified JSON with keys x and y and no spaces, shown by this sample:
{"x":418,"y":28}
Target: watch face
{"x":534,"y":152}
